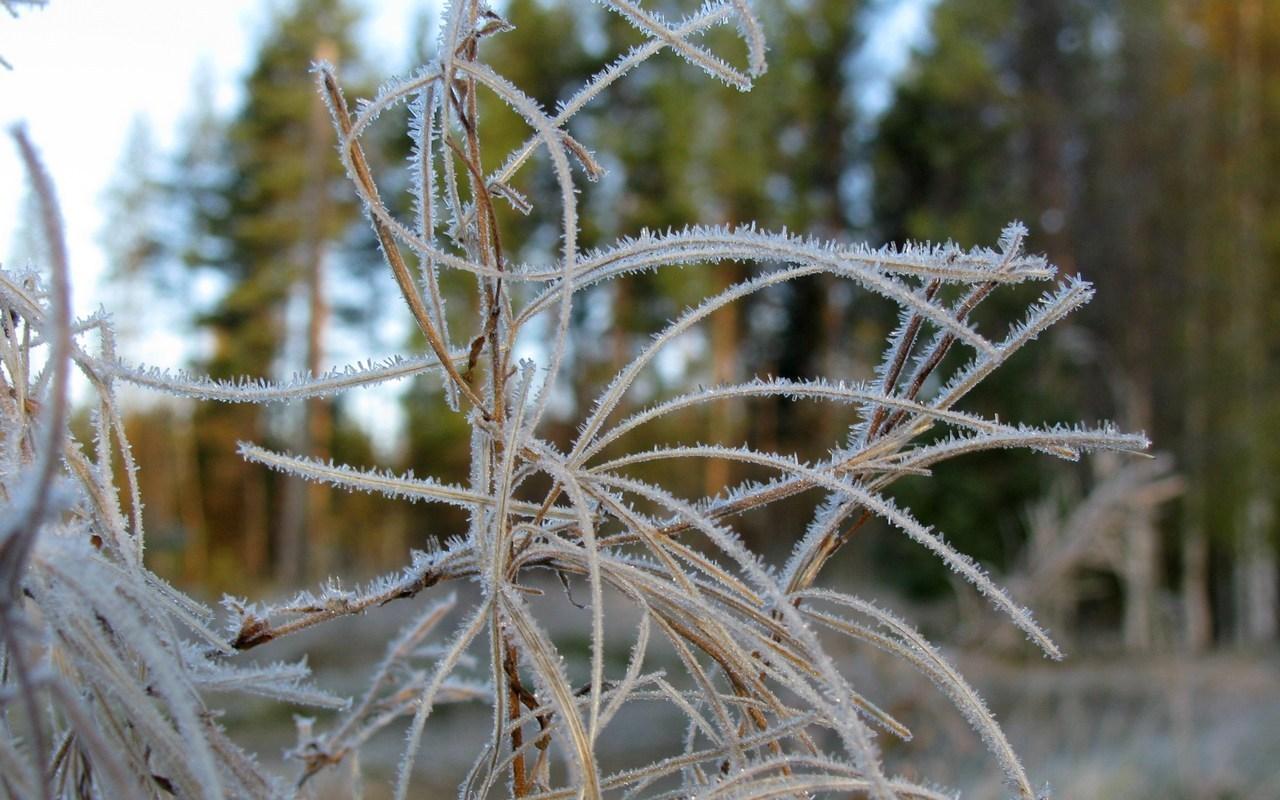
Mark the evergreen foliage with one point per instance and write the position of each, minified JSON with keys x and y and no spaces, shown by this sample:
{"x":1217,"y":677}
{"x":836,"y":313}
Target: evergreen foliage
{"x":271,"y":221}
{"x":1133,"y":133}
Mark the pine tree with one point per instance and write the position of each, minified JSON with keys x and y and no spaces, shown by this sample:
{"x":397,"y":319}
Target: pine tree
{"x":269,"y":228}
{"x":1133,"y":134}
{"x":712,"y":154}
{"x":987,"y":123}
{"x":1236,"y":78}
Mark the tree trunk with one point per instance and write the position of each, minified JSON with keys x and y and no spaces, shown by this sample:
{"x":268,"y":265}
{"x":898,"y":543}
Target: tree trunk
{"x":724,"y":369}
{"x":1201,"y":295}
{"x":1256,"y":568}
{"x":1198,"y":613}
{"x":1257,"y":578}
{"x":305,"y":545}
{"x":257,"y":549}
{"x":1141,"y":532}
{"x":319,"y":424}
{"x":1141,"y":554}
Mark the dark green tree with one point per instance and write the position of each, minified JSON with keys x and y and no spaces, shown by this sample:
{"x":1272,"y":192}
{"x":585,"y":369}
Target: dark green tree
{"x":1129,"y":135}
{"x":273,"y":214}
{"x":978,"y":134}
{"x":706,"y":153}
{"x":1232,"y":91}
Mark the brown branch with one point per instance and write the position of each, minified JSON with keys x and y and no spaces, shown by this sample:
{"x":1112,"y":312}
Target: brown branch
{"x":255,"y":630}
{"x":390,"y":250}
{"x":905,"y":346}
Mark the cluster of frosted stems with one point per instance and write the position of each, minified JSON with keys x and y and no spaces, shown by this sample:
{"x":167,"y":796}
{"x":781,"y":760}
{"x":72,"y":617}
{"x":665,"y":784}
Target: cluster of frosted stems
{"x":107,"y":671}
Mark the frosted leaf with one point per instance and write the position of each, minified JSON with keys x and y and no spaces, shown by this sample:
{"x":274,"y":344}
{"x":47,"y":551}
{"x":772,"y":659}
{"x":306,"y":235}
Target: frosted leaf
{"x":280,"y":681}
{"x":656,"y":27}
{"x":941,"y":672}
{"x":300,"y":387}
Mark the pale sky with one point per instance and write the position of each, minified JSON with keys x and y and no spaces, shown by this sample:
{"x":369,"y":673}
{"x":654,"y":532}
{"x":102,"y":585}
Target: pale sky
{"x":84,"y":69}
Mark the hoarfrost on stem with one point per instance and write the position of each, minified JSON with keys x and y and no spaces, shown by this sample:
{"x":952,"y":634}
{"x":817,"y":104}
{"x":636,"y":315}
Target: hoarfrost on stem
{"x":760,"y":688}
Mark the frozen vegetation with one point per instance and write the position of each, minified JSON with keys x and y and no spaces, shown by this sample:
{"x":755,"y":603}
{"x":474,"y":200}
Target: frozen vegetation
{"x":112,"y":680}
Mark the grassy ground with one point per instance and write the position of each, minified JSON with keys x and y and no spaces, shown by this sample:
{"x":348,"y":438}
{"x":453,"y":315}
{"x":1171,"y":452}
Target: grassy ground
{"x":1117,"y":727}
{"x":1122,"y":728}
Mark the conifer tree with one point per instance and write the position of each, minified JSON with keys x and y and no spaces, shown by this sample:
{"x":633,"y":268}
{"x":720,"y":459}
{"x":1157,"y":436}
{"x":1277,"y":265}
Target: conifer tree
{"x":269,"y":229}
{"x":715,"y":155}
{"x":1130,"y":134}
{"x":976,"y":130}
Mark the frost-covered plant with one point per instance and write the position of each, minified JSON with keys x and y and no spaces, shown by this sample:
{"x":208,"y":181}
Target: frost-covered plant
{"x":103,"y":666}
{"x":768,"y":710}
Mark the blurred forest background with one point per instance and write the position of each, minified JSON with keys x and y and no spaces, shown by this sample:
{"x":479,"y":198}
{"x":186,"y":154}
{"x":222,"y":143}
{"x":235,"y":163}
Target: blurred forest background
{"x":1137,"y":138}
